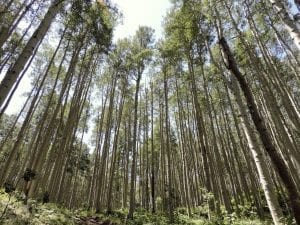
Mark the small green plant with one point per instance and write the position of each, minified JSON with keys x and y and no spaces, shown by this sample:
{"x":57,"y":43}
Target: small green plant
{"x":8,"y":189}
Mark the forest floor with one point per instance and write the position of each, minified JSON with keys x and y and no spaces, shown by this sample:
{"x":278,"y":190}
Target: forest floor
{"x":14,"y":212}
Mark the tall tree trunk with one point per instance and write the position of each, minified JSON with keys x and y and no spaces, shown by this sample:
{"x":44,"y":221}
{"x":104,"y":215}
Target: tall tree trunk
{"x":134,"y":149}
{"x":152,"y":153}
{"x":263,"y":132}
{"x":167,"y":146}
{"x":200,"y":129}
{"x":258,"y":157}
{"x":38,"y":159}
{"x":105,"y":149}
{"x":13,"y":73}
{"x":115,"y":152}
{"x":27,"y":120}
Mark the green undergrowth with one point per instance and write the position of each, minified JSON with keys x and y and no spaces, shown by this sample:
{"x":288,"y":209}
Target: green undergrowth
{"x":14,"y":212}
{"x":35,"y":213}
{"x":142,"y":217}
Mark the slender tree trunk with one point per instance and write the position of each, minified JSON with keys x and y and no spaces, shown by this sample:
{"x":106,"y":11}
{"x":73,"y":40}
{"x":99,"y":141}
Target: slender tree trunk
{"x":201,"y":130}
{"x":258,"y":157}
{"x":13,"y":73}
{"x":38,"y":158}
{"x":105,"y":149}
{"x":167,"y":140}
{"x":152,"y":153}
{"x":134,"y":150}
{"x":27,"y":120}
{"x":263,"y":132}
{"x":115,"y":153}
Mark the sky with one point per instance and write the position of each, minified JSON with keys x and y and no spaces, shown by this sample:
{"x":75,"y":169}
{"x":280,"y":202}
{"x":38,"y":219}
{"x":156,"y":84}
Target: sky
{"x":141,"y":12}
{"x":135,"y":13}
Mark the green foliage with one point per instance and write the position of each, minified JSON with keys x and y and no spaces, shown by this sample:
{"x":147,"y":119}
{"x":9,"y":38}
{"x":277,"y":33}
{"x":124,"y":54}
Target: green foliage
{"x":36,"y":213}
